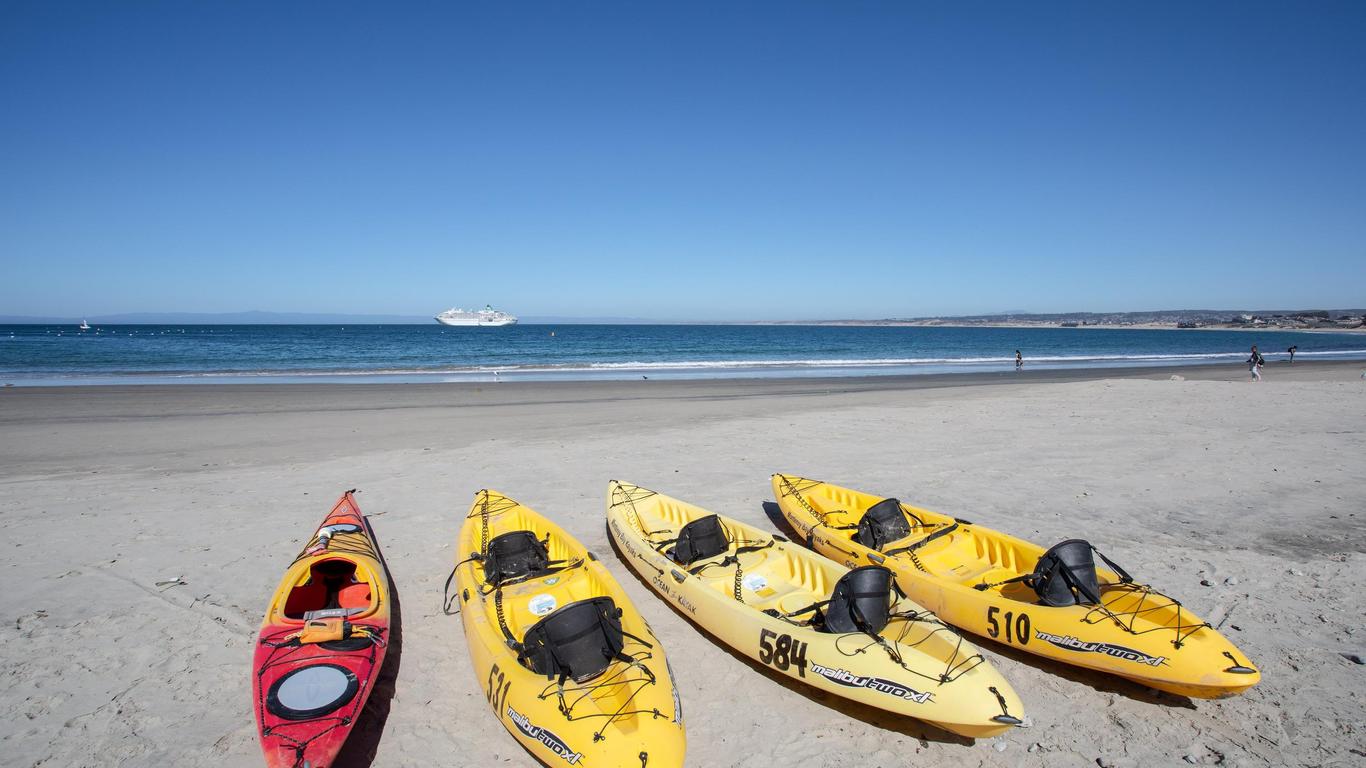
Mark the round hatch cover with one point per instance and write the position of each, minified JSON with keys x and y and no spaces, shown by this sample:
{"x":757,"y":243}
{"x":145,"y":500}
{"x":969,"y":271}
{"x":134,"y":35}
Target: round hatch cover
{"x":312,"y":691}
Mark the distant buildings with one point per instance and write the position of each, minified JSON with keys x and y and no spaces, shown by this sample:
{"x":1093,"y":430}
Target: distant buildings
{"x":1310,"y":319}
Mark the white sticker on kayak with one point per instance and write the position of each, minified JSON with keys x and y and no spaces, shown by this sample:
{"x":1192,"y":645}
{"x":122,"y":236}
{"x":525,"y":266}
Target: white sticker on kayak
{"x":540,"y":605}
{"x":755,"y":582}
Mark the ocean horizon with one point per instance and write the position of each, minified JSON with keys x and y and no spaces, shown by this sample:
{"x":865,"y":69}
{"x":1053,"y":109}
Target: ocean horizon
{"x":38,"y":355}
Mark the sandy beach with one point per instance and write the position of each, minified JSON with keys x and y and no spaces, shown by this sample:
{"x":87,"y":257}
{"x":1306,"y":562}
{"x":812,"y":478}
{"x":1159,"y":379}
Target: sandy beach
{"x":1247,"y":501}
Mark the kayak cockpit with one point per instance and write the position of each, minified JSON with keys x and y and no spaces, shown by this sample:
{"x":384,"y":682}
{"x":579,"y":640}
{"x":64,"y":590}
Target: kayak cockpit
{"x":332,"y":584}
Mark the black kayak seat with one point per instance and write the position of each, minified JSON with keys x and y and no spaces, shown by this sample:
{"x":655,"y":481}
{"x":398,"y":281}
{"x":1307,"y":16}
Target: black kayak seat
{"x":882,"y":524}
{"x":514,"y":555}
{"x":1066,"y":575}
{"x":577,"y":641}
{"x":860,"y":602}
{"x":698,"y":540}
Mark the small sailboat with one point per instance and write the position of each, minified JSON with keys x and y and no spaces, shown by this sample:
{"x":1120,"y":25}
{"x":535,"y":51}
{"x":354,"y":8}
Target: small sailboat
{"x":84,"y":326}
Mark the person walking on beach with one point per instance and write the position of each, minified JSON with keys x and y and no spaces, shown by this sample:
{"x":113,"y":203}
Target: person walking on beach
{"x":1254,"y":364}
{"x":1292,"y":352}
{"x":1019,"y":361}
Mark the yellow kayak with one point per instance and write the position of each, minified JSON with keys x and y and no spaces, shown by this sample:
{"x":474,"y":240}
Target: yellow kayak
{"x":842,"y":631}
{"x":1054,"y":603}
{"x":569,"y":666}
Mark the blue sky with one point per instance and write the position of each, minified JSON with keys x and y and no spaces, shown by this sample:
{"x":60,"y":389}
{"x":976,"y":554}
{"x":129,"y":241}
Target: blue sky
{"x":695,"y":161}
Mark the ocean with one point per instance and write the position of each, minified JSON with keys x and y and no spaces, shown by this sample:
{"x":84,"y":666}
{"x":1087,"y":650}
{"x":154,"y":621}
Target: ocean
{"x":147,"y":354}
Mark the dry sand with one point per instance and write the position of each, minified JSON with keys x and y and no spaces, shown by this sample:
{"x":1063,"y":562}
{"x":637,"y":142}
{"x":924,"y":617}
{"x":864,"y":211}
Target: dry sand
{"x":1256,"y":489}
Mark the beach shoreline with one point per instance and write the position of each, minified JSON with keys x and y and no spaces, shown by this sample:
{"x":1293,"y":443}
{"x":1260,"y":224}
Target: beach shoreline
{"x":883,"y":376}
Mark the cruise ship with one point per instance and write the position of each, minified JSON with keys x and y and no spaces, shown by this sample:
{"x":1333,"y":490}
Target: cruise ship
{"x":486,"y":316}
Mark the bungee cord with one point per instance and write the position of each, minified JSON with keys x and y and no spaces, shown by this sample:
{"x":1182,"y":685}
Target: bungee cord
{"x":610,"y":679}
{"x":1126,"y":620}
{"x":356,"y":542}
{"x":283,"y":649}
{"x":629,"y":673}
{"x":287,"y":644}
{"x":1182,"y":629}
{"x":797,"y":491}
{"x":956,"y":665}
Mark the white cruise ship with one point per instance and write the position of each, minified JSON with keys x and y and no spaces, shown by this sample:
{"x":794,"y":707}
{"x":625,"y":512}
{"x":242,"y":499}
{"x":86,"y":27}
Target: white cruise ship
{"x":486,"y":316}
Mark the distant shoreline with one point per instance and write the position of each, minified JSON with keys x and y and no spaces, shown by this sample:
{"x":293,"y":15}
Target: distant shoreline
{"x":1087,"y":327}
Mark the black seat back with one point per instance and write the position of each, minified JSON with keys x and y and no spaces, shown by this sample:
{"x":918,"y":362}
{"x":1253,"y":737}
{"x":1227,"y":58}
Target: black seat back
{"x":861,"y":601}
{"x":577,"y":641}
{"x":883,"y":523}
{"x":1066,"y":575}
{"x":700,"y":539}
{"x":514,"y":555}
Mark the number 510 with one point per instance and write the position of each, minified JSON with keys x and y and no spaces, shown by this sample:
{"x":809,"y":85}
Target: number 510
{"x":1016,"y":627}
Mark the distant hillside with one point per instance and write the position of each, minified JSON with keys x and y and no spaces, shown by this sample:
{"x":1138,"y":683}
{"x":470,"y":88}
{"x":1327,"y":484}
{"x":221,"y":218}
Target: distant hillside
{"x":564,"y":320}
{"x":289,"y":318}
{"x":1287,"y":319}
{"x":221,"y":318}
{"x":1155,"y":316}
{"x":1176,"y":318}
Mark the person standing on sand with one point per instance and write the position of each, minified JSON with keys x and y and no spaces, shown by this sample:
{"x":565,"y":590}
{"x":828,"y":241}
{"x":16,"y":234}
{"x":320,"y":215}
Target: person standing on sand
{"x":1254,"y":364}
{"x":1019,"y":361}
{"x":1292,"y":352}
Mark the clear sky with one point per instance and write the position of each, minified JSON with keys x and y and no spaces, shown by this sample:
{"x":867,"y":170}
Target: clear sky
{"x":687,"y":161}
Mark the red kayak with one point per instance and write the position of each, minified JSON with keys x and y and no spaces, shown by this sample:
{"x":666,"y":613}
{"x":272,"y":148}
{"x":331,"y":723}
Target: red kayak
{"x":322,"y":643}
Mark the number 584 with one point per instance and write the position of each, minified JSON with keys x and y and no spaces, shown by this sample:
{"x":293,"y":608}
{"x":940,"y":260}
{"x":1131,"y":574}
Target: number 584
{"x":783,"y":653}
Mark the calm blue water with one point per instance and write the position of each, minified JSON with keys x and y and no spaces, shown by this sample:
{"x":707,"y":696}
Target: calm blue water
{"x":32,"y":355}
